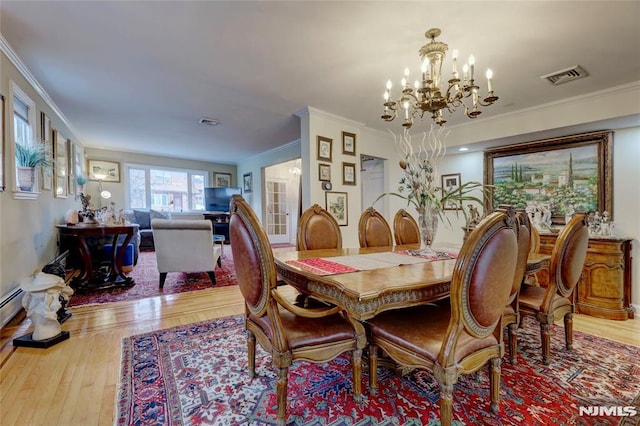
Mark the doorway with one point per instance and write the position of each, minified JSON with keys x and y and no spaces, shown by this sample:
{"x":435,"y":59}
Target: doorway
{"x":372,"y":178}
{"x":282,"y":200}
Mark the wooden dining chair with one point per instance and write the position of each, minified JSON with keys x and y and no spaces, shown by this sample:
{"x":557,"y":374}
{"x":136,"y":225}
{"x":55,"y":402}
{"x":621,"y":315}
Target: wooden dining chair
{"x":318,"y":229}
{"x":462,"y":336}
{"x":405,"y":228}
{"x":546,"y":304}
{"x":286,"y":331}
{"x":373,"y":229}
{"x":511,"y":315}
{"x":534,"y":248}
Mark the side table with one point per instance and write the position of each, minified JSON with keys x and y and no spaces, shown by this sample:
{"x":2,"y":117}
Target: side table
{"x":219,"y":239}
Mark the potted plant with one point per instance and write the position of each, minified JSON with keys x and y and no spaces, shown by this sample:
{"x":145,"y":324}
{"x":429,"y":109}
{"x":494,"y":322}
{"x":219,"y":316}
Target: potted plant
{"x":29,"y":156}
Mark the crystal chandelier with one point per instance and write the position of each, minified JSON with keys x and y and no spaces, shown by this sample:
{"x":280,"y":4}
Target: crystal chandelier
{"x":433,"y":94}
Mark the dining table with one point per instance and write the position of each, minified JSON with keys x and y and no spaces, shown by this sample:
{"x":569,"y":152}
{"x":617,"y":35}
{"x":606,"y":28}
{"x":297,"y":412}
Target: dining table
{"x":368,"y":281}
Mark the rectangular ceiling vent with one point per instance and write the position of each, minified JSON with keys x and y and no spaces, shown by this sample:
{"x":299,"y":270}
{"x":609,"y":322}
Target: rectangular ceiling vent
{"x":566,"y":75}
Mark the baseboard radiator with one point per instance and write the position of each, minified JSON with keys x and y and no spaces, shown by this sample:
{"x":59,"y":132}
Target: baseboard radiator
{"x":11,"y":303}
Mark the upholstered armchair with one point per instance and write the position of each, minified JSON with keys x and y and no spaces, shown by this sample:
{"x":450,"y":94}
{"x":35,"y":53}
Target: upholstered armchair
{"x":460,"y":337}
{"x":373,"y":229}
{"x":318,"y":229}
{"x":185,"y":246}
{"x":405,"y":228}
{"x":555,"y":301}
{"x":511,"y":316}
{"x":288,"y":332}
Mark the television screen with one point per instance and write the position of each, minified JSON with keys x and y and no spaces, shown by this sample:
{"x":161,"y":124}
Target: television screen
{"x":218,"y":199}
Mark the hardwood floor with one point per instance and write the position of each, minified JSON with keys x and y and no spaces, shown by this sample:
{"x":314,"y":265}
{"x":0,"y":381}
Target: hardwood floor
{"x":75,"y":382}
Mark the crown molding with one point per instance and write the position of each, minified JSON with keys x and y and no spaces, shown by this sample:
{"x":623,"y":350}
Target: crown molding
{"x":6,"y":48}
{"x":315,"y":111}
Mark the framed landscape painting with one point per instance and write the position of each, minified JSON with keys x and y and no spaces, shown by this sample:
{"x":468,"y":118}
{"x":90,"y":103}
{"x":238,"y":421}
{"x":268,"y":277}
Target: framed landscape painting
{"x":567,"y":174}
{"x":222,"y":180}
{"x":106,"y":171}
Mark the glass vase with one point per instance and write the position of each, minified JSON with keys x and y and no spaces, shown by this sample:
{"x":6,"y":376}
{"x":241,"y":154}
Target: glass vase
{"x":428,"y":224}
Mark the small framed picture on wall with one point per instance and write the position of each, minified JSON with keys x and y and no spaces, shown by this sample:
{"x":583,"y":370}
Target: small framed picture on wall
{"x":337,"y":205}
{"x":324,"y":148}
{"x":324,"y":172}
{"x":348,"y":143}
{"x":247,"y":180}
{"x":222,"y":180}
{"x":348,"y":173}
{"x":450,"y":183}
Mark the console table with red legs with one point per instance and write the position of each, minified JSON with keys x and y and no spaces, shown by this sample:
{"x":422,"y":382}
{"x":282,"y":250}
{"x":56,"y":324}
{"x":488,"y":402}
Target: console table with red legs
{"x":89,"y":279}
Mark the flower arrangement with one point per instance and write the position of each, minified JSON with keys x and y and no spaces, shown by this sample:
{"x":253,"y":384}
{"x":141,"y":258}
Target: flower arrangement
{"x":420,"y":183}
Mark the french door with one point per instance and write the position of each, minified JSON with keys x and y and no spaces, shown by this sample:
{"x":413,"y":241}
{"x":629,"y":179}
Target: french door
{"x":277,"y":216}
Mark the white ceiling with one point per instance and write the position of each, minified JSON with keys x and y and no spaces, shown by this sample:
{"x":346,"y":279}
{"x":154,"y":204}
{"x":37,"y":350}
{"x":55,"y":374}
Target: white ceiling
{"x":136,"y":75}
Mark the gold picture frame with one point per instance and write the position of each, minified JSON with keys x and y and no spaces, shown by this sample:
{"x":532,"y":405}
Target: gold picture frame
{"x":337,"y":203}
{"x":324,"y":172}
{"x":2,"y":145}
{"x":572,"y":173}
{"x":348,"y":173}
{"x":349,"y":143}
{"x":222,"y":180}
{"x":105,"y":171}
{"x":324,"y":148}
{"x":451,"y":182}
{"x":46,"y":136}
{"x":61,"y":165}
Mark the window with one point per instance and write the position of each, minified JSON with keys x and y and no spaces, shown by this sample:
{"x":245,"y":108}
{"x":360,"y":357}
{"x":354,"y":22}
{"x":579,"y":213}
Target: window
{"x":24,"y":131}
{"x":158,"y":188}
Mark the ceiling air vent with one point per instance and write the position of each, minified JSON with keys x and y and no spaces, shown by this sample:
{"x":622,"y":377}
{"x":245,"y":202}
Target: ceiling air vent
{"x":566,"y":75}
{"x":208,"y":121}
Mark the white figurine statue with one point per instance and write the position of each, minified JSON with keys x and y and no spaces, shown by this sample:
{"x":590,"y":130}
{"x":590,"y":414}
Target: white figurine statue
{"x":42,"y":302}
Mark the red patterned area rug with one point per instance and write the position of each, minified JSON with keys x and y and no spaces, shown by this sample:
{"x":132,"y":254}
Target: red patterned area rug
{"x":197,"y":374}
{"x":146,"y":277}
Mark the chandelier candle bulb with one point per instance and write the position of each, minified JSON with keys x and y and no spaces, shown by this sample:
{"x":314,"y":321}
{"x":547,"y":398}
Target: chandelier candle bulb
{"x":472,"y":62}
{"x":489,"y":83}
{"x":455,"y":63}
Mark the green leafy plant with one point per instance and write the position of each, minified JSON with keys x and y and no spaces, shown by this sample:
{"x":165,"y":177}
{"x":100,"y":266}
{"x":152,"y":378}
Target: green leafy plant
{"x":32,"y":154}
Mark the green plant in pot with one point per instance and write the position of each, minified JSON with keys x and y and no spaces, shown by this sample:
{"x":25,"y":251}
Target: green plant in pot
{"x":29,"y":156}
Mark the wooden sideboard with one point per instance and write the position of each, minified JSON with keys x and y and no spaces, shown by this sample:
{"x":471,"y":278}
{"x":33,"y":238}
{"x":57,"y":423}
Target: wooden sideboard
{"x":604,"y":289}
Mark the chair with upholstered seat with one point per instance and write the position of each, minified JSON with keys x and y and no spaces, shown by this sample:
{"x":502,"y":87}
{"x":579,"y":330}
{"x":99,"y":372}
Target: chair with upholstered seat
{"x":405,"y":228}
{"x":464,"y":335}
{"x":184,"y":246}
{"x":511,"y":316}
{"x":318,"y":229}
{"x":533,"y":249}
{"x":546,"y":304}
{"x":373,"y":229}
{"x":286,"y":331}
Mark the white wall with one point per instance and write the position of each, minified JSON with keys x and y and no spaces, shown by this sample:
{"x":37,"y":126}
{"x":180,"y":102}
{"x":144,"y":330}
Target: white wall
{"x":27,"y":227}
{"x":256,"y":165}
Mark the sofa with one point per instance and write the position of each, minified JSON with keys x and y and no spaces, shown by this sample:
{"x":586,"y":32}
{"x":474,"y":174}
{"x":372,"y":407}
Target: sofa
{"x":143,"y":217}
